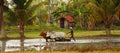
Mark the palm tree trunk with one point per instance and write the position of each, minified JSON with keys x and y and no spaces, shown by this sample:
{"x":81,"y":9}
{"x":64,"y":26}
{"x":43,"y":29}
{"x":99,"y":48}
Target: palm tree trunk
{"x":3,"y":45}
{"x":107,"y":27}
{"x":22,"y":44}
{"x":1,"y":12}
{"x":108,"y":31}
{"x":21,"y":28}
{"x":2,"y":26}
{"x":3,"y":32}
{"x":108,"y":23}
{"x":1,"y":20}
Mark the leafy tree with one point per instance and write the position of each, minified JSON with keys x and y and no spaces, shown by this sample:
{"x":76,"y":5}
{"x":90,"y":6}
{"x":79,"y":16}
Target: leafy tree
{"x":77,"y":8}
{"x":42,"y":14}
{"x":62,"y":9}
{"x":22,"y":14}
{"x":106,"y":10}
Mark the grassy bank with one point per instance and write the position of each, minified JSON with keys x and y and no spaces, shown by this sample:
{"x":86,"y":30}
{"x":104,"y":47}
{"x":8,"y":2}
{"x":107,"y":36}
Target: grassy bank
{"x":34,"y":31}
{"x":77,"y":33}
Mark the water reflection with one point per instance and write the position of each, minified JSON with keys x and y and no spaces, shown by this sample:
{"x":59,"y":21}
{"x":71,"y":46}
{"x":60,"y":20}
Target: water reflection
{"x":40,"y":44}
{"x":12,"y":45}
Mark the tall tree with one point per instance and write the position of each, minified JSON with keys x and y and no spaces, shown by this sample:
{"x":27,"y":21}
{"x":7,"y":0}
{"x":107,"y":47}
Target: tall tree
{"x":2,"y":28}
{"x":22,"y":13}
{"x":106,"y":10}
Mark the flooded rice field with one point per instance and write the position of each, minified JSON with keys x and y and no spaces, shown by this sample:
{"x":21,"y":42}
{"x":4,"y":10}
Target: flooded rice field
{"x":41,"y":44}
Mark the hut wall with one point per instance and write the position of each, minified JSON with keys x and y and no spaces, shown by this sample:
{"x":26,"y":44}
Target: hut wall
{"x":66,"y":24}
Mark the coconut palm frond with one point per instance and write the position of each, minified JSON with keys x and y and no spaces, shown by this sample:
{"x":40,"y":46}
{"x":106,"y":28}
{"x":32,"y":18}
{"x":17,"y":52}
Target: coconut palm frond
{"x":32,"y":9}
{"x":28,"y":3}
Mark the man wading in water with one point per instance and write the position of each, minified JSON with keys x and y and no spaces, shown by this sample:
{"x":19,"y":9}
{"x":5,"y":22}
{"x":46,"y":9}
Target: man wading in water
{"x":72,"y":34}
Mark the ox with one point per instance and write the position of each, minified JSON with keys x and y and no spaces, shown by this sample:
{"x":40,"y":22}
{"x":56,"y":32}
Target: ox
{"x":54,"y":36}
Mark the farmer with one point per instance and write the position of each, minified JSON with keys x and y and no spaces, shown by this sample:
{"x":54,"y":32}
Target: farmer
{"x":72,"y":34}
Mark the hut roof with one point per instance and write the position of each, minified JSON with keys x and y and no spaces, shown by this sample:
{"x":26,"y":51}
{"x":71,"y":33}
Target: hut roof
{"x":69,"y":18}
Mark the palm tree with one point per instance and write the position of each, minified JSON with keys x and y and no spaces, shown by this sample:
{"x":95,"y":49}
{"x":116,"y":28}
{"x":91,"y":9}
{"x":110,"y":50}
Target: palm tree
{"x":106,"y":10}
{"x":22,"y":13}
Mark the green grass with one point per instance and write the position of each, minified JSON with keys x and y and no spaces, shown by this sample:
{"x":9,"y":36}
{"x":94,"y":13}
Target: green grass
{"x":93,"y":33}
{"x":88,"y":33}
{"x":34,"y":31}
{"x":77,"y":33}
{"x":13,"y":35}
{"x":32,"y":34}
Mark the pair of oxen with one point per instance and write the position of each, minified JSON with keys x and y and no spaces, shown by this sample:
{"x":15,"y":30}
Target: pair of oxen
{"x":54,"y":36}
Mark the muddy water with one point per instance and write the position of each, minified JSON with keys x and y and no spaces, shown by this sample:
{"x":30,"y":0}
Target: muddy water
{"x":40,"y":44}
